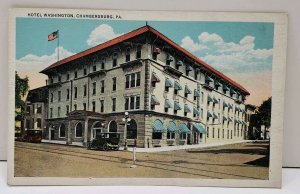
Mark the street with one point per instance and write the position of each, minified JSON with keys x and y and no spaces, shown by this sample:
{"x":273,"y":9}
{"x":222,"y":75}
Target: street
{"x":236,"y":161}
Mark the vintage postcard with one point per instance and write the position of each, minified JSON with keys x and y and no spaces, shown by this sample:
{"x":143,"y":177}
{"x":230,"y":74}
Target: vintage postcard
{"x":111,"y":97}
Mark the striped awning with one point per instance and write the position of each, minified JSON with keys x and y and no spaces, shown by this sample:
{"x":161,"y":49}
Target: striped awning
{"x":158,"y":126}
{"x":229,"y":119}
{"x":217,"y":83}
{"x":187,"y":90}
{"x":168,"y":103}
{"x":196,"y":111}
{"x":179,"y":63}
{"x":183,"y":128}
{"x":225,"y":104}
{"x":154,"y":100}
{"x":187,"y":108}
{"x":177,"y":86}
{"x":215,"y":116}
{"x":215,"y":100}
{"x":209,"y":114}
{"x":168,"y":83}
{"x":209,"y":79}
{"x":225,"y":88}
{"x":196,"y":93}
{"x":229,"y":106}
{"x":225,"y":118}
{"x":232,"y":91}
{"x":209,"y":98}
{"x":154,"y":78}
{"x":244,"y":123}
{"x":177,"y":106}
{"x":172,"y":127}
{"x":199,"y":128}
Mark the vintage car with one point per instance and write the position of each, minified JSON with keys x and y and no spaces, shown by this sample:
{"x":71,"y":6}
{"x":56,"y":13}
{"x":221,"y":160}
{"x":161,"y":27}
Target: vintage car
{"x":105,"y":141}
{"x":31,"y":135}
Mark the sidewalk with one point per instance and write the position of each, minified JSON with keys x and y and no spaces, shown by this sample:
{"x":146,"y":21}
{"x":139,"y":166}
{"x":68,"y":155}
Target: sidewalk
{"x":184,"y":147}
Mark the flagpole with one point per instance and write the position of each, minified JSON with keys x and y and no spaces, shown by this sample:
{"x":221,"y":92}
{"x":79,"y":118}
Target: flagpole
{"x":57,"y":45}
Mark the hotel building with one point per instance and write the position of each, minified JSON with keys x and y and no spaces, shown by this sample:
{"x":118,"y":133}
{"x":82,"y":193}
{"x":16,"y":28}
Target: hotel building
{"x":172,"y":97}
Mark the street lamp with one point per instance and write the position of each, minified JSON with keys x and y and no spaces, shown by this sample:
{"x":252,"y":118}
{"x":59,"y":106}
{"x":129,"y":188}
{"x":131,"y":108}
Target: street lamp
{"x":126,"y":119}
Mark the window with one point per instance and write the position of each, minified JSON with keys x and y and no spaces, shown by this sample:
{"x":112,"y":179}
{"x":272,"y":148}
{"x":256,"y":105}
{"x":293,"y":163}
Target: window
{"x":175,"y":112}
{"x":166,"y":110}
{"x":101,"y":105}
{"x":138,"y":51}
{"x":103,"y":63}
{"x":94,"y":88}
{"x":113,"y":104}
{"x":207,"y":133}
{"x":113,"y":127}
{"x":94,"y":106}
{"x":183,"y":136}
{"x":51,"y":113}
{"x":94,"y":68}
{"x":58,"y":111}
{"x":218,"y":133}
{"x":202,"y":97}
{"x":39,"y":109}
{"x":213,"y":133}
{"x":170,"y":135}
{"x":78,"y":130}
{"x":156,"y":135}
{"x":127,"y":55}
{"x":59,"y":78}
{"x":114,"y":82}
{"x":28,"y":109}
{"x":154,"y":56}
{"x":84,"y":90}
{"x":102,"y":86}
{"x":68,"y":77}
{"x":51,"y":97}
{"x":201,"y":113}
{"x":132,"y":103}
{"x":131,"y":129}
{"x":84,"y":71}
{"x":115,"y":59}
{"x":223,"y":133}
{"x":39,"y":123}
{"x":133,"y":80}
{"x":62,"y":130}
{"x":84,"y":106}
{"x":196,"y":75}
{"x":68,"y":94}
{"x":75,"y":106}
{"x":67,"y":109}
{"x":75,"y":74}
{"x":231,"y":134}
{"x":185,"y":114}
{"x":75,"y":92}
{"x":227,"y":134}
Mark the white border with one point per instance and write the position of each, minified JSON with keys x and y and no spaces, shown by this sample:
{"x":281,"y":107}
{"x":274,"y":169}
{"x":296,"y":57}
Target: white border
{"x":278,"y":83}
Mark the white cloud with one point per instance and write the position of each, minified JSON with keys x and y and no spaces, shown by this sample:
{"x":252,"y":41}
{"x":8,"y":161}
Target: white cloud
{"x":34,"y":63}
{"x":101,"y":34}
{"x":229,"y":56}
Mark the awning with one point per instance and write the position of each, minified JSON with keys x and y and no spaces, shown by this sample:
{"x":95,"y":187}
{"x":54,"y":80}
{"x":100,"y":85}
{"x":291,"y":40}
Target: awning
{"x":229,"y":106}
{"x":215,"y":100}
{"x":168,"y":104}
{"x":172,"y":127}
{"x":177,"y":86}
{"x":154,"y":100}
{"x":196,"y":93}
{"x":232,"y":91}
{"x":170,"y":58}
{"x":225,"y":118}
{"x":229,"y":119}
{"x":209,"y":98}
{"x":188,"y":68}
{"x":199,"y":128}
{"x":217,"y":83}
{"x":244,"y":123}
{"x":225,"y":88}
{"x":187,"y":90}
{"x":209,"y":79}
{"x":154,"y":78}
{"x":177,"y":106}
{"x":158,"y":126}
{"x":196,"y":111}
{"x":179,"y":63}
{"x":215,"y":116}
{"x":183,"y":128}
{"x":187,"y":108}
{"x":168,"y":83}
{"x":209,"y":114}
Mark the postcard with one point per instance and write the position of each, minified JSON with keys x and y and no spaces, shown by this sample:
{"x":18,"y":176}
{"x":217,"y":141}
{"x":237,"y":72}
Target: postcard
{"x":112,"y":97}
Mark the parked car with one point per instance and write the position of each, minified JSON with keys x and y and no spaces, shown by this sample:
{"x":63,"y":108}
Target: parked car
{"x":32,"y":135}
{"x":105,"y":141}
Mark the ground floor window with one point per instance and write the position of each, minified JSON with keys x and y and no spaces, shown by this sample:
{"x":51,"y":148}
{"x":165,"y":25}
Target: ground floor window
{"x":156,"y":135}
{"x":62,"y":130}
{"x":183,"y":136}
{"x":78,"y":130}
{"x":131,"y":129}
{"x":170,"y":135}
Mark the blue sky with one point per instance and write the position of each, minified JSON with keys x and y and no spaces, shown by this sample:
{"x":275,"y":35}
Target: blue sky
{"x":241,"y":50}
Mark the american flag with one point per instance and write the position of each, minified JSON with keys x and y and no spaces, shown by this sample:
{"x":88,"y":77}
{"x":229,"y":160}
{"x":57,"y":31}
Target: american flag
{"x":53,"y":36}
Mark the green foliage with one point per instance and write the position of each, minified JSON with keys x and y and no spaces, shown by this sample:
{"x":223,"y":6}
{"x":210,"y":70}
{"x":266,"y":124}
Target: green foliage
{"x":21,"y":88}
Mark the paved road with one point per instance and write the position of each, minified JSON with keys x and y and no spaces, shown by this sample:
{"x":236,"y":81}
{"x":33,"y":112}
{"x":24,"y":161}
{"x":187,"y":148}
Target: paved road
{"x":238,"y":161}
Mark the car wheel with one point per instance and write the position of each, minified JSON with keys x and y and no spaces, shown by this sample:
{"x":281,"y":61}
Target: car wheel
{"x":105,"y":147}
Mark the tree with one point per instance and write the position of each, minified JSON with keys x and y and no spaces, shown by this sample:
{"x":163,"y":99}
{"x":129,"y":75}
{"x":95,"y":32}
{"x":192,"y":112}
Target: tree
{"x":21,"y":87}
{"x":261,"y":117}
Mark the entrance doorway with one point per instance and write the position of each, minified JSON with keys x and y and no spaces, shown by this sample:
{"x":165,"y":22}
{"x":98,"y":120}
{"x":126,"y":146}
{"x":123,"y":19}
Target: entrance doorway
{"x":52,"y":134}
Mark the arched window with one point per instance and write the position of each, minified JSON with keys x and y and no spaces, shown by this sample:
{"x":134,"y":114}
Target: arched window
{"x":113,"y":127}
{"x":115,"y":58}
{"x":127,"y":54}
{"x":62,"y":130}
{"x":39,"y":123}
{"x":131,"y":129}
{"x":138,"y":51}
{"x":78,"y":130}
